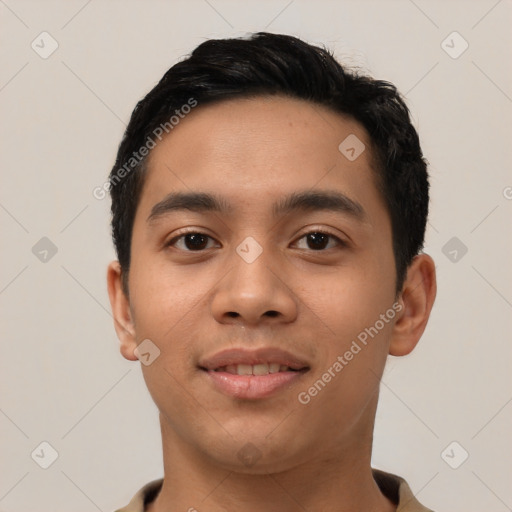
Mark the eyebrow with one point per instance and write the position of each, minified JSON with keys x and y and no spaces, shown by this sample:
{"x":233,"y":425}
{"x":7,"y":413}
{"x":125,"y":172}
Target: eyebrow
{"x":305,"y":201}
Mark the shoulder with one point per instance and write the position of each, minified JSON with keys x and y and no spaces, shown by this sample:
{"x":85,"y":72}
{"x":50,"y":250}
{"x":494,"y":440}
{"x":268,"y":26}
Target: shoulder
{"x":397,"y":490}
{"x":143,"y":496}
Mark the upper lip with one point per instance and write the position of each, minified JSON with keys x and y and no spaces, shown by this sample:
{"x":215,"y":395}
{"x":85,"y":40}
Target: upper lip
{"x":236,"y":356}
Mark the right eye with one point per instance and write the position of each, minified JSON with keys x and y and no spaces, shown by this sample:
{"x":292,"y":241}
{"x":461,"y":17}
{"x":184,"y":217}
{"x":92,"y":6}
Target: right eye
{"x":191,"y":241}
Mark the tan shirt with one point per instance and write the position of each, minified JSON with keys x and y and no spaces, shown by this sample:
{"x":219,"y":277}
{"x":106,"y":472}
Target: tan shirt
{"x":392,"y":486}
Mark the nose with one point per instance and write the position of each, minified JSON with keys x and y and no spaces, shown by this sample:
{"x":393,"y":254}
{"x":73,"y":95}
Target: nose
{"x":254,"y":292}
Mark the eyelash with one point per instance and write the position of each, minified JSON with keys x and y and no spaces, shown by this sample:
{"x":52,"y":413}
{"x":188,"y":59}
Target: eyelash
{"x":341,"y":243}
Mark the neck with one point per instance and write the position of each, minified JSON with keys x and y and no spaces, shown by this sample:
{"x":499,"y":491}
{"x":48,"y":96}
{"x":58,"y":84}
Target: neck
{"x":339,"y":480}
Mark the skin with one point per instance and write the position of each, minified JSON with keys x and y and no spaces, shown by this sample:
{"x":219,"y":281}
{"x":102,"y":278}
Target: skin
{"x":192,"y":304}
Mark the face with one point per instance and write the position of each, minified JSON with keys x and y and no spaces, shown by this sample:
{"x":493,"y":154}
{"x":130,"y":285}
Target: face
{"x":271,"y":295}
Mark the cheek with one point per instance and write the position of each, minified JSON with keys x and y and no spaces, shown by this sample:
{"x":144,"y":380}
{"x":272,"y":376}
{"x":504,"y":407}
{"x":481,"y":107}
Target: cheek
{"x":162,"y":296}
{"x":168,"y":308}
{"x":349,"y":300}
{"x":352,"y":353}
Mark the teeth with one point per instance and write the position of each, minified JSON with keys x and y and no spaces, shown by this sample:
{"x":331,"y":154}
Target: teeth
{"x":274,"y":367}
{"x":244,"y":369}
{"x":255,"y":369}
{"x":260,"y":369}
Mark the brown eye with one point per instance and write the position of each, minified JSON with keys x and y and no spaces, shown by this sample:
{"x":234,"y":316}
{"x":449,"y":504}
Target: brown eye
{"x":191,"y":241}
{"x":319,"y":241}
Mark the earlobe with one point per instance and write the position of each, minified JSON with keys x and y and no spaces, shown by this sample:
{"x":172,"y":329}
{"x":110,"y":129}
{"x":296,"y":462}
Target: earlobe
{"x":120,"y":305}
{"x":417,"y":298}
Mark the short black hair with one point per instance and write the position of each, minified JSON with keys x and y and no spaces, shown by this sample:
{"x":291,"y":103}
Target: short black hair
{"x":276,"y":64}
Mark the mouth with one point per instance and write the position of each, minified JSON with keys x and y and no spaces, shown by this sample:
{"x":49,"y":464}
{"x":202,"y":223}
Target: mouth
{"x":255,"y":369}
{"x":253,"y":374}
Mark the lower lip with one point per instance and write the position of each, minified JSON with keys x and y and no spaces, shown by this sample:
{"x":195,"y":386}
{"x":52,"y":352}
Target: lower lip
{"x":251,"y":387}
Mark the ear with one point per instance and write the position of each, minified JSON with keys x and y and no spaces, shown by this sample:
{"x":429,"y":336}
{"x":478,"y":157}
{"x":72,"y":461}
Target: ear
{"x":120,"y":305}
{"x":416,"y":298}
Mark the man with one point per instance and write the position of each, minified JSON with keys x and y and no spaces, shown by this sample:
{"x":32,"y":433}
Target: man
{"x":269,"y":210}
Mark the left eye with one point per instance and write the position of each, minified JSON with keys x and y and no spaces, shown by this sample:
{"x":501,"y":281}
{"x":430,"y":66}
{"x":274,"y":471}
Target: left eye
{"x":318,"y":240}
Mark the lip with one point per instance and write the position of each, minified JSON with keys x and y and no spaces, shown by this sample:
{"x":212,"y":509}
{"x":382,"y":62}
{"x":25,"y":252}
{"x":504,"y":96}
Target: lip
{"x":256,"y":356}
{"x":252,"y":387}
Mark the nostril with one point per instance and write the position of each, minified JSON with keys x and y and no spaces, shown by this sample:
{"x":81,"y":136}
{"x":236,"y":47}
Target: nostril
{"x":272,"y":313}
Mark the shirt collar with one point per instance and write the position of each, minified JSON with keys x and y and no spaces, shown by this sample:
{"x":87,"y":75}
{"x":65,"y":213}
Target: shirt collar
{"x":392,"y":486}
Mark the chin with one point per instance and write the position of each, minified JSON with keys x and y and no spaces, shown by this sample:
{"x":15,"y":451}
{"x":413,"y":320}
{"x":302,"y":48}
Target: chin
{"x":250,"y":453}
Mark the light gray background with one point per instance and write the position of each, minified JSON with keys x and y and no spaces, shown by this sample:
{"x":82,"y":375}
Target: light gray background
{"x":62,"y":378}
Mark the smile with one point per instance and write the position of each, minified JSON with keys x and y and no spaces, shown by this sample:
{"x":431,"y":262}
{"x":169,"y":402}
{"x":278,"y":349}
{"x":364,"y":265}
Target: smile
{"x":254,"y":369}
{"x":252,"y":374}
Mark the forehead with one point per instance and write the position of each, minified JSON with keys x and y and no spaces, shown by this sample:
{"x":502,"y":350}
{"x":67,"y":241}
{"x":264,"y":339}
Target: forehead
{"x":255,"y":148}
{"x":232,"y":127}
